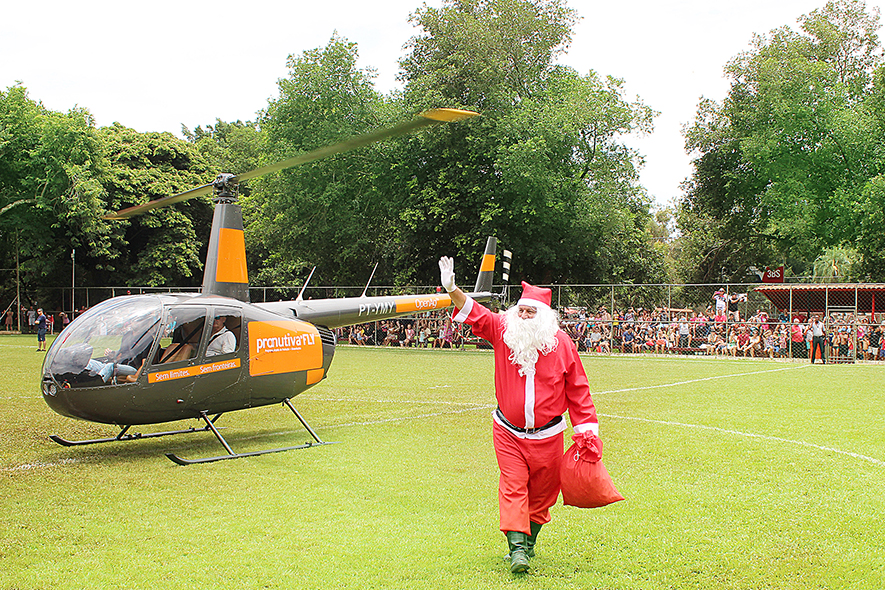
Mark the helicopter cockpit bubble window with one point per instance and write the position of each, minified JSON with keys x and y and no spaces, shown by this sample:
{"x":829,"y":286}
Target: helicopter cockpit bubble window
{"x":181,"y":336}
{"x":107,"y":345}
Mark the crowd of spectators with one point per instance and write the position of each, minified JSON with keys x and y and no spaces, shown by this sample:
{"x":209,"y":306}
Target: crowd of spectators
{"x":55,"y":321}
{"x":710,"y":332}
{"x":430,"y":330}
{"x":718,"y":330}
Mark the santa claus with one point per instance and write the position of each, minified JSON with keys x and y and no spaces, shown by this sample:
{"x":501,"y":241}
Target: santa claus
{"x":538,"y":376}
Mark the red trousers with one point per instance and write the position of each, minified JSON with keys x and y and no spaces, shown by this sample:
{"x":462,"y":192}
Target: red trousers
{"x":529,"y":482}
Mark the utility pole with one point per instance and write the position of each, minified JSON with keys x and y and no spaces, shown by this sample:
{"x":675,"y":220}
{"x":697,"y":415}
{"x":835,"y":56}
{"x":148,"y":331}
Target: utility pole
{"x":73,"y":280}
{"x":18,"y":292}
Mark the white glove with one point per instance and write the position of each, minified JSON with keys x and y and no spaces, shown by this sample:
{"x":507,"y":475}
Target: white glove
{"x":447,"y":273}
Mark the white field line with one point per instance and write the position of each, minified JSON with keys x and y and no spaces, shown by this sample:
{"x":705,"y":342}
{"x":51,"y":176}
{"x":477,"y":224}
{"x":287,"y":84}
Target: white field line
{"x":34,"y":346}
{"x":385,"y":420}
{"x":37,"y":465}
{"x":434,"y":402}
{"x":615,"y":416}
{"x":733,"y":432}
{"x":470,"y":407}
{"x":678,"y":383}
{"x":750,"y":435}
{"x":662,"y":422}
{"x":443,"y":402}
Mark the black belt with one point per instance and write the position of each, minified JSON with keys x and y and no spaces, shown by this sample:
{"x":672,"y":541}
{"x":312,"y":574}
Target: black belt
{"x":550,"y":424}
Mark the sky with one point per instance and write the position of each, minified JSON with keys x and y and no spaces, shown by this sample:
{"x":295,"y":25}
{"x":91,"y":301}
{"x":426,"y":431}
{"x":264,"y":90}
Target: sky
{"x":160,"y":65}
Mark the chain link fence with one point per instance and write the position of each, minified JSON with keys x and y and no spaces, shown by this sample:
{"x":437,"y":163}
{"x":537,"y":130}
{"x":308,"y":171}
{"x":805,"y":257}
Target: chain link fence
{"x":722,"y":320}
{"x":731,"y":320}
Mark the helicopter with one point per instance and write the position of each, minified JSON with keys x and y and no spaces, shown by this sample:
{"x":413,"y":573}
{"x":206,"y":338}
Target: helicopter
{"x":156,"y":358}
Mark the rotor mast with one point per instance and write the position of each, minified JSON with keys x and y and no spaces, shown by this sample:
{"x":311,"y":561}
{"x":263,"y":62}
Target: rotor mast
{"x":225,"y":272}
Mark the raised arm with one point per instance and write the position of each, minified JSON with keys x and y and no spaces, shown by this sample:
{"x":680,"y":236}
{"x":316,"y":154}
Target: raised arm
{"x":447,"y":278}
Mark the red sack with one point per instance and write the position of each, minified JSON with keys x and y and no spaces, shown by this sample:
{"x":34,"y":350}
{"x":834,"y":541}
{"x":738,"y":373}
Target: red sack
{"x":585,"y":480}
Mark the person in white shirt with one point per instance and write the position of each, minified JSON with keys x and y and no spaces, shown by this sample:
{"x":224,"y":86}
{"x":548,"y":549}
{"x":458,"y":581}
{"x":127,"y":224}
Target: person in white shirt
{"x":817,"y":339}
{"x":222,"y":340}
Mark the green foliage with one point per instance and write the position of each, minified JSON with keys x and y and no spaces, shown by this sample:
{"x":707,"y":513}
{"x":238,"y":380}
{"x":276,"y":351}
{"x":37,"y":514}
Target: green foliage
{"x":542,"y":168}
{"x":163,"y":246}
{"x":332,"y":213}
{"x":782,"y":162}
{"x":836,"y":265}
{"x":59,"y":175}
{"x":484,"y":53}
{"x":50,"y":190}
{"x":228,"y":147}
{"x":871,"y":239}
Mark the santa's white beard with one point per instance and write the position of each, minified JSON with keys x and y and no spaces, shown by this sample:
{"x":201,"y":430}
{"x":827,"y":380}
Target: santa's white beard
{"x":527,"y":338}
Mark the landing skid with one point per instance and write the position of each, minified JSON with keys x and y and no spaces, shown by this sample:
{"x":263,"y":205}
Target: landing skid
{"x":210,"y":425}
{"x":124,"y":435}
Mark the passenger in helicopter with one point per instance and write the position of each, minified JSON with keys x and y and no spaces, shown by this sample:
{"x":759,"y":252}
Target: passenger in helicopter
{"x":108,"y":370}
{"x":222,"y":340}
{"x":135,"y":344}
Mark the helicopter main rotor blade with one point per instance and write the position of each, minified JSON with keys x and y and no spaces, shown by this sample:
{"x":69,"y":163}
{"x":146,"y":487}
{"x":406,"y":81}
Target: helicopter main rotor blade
{"x":425,"y":119}
{"x":206,"y":189}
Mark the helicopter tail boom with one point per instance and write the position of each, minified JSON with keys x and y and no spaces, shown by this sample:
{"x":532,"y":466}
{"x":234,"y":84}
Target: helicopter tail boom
{"x":335,"y":313}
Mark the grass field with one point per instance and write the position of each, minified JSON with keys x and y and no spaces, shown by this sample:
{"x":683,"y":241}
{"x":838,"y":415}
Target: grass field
{"x":738,"y":474}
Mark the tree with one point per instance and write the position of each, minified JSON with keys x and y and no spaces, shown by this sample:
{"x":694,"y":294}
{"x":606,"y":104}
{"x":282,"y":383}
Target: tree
{"x":542,"y":168}
{"x":332,"y":213}
{"x":835,"y":265}
{"x":50,"y":166}
{"x":59,"y":176}
{"x":231,"y":147}
{"x":165,"y":246}
{"x":484,"y":53}
{"x":782,"y":160}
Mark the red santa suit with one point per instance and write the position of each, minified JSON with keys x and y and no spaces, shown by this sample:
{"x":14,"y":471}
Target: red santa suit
{"x":528,"y":422}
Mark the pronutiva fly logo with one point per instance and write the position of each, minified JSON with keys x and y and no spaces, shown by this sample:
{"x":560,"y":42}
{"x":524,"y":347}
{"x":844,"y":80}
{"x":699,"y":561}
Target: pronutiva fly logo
{"x":284,"y":347}
{"x":284,"y":343}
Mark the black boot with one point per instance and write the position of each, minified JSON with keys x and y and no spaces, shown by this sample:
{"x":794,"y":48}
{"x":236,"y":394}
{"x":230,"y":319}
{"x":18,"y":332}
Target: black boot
{"x":519,"y":562}
{"x":532,"y":539}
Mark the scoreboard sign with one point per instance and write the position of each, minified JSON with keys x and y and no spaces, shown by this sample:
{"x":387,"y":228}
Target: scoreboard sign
{"x":773,"y":275}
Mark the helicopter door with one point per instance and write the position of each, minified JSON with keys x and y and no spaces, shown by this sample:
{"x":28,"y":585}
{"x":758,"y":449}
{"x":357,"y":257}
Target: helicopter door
{"x":181,"y":337}
{"x":174,"y":364}
{"x":221,"y":364}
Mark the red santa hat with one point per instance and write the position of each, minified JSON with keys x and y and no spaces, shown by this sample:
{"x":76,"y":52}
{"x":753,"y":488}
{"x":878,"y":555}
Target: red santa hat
{"x":533,"y":296}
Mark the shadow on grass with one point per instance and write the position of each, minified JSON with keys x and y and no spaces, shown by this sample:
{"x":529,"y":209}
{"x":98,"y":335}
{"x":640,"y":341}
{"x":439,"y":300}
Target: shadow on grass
{"x":190,"y":445}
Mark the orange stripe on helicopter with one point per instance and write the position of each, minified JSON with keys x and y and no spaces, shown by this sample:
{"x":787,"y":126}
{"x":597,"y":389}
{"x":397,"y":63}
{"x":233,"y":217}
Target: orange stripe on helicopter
{"x":315,"y":376}
{"x":424,"y":303}
{"x":193,"y":371}
{"x":231,"y":266}
{"x":488,"y":263}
